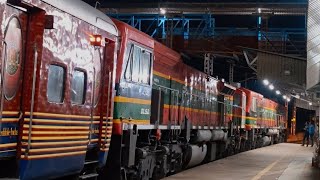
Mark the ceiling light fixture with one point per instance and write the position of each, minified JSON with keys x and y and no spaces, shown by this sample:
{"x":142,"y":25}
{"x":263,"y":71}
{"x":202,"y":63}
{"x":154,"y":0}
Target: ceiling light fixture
{"x":266,"y":82}
{"x":162,"y":11}
{"x":271,"y":87}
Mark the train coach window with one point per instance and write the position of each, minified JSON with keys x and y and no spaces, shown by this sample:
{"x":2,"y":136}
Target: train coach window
{"x":78,"y":87}
{"x":55,"y":86}
{"x":237,"y":100}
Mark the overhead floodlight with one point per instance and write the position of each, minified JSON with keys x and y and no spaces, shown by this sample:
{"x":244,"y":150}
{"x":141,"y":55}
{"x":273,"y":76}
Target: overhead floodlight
{"x":266,"y":82}
{"x":271,"y":87}
{"x":163,"y":11}
{"x":310,"y":103}
{"x":259,"y":10}
{"x":284,"y":97}
{"x":278,"y":92}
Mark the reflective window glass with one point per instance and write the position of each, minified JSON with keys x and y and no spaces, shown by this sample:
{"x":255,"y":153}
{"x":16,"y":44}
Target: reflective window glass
{"x":145,"y":67}
{"x":97,"y":76}
{"x":78,"y":87}
{"x":55,"y":86}
{"x":254,"y":104}
{"x":138,"y":67}
{"x":128,"y":71}
{"x":136,"y":64}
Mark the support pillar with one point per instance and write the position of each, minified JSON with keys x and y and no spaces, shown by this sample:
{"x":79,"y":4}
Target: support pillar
{"x":286,"y":113}
{"x":318,"y":118}
{"x":231,"y":68}
{"x":293,"y":120}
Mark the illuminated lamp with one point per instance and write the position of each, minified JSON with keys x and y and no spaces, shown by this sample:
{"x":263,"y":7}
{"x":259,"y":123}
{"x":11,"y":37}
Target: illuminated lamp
{"x":162,"y":11}
{"x":271,"y":87}
{"x":96,"y":40}
{"x":266,"y":82}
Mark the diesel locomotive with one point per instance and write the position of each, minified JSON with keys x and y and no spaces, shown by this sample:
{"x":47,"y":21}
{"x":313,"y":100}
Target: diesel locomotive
{"x":84,"y":96}
{"x":169,"y":116}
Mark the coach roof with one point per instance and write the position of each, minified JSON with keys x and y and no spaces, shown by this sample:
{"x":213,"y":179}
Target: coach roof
{"x":86,"y":13}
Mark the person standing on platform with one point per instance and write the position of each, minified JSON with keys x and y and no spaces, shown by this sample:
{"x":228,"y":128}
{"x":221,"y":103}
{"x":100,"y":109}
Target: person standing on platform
{"x":306,"y":133}
{"x":311,"y":132}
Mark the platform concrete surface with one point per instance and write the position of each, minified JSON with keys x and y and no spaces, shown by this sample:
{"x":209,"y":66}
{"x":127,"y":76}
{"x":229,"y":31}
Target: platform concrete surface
{"x":282,"y":162}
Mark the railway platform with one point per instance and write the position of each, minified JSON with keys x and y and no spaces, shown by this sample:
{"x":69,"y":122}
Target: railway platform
{"x":281,"y":161}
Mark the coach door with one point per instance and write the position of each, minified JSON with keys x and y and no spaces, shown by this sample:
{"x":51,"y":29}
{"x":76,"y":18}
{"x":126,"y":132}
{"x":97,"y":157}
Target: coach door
{"x":12,"y":61}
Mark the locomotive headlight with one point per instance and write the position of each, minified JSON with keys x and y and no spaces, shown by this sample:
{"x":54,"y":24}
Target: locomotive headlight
{"x":284,"y":97}
{"x":278,"y":92}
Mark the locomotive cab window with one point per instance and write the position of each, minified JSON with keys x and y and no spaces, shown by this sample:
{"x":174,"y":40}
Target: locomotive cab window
{"x":254,"y":104}
{"x":237,"y":100}
{"x":78,"y":87}
{"x":55,"y":86}
{"x":138,"y":68}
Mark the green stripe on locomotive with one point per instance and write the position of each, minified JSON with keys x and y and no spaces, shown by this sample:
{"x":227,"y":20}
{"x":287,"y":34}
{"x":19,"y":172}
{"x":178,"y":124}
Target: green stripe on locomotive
{"x":251,"y":121}
{"x":129,"y":106}
{"x":268,"y":113}
{"x":131,"y":110}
